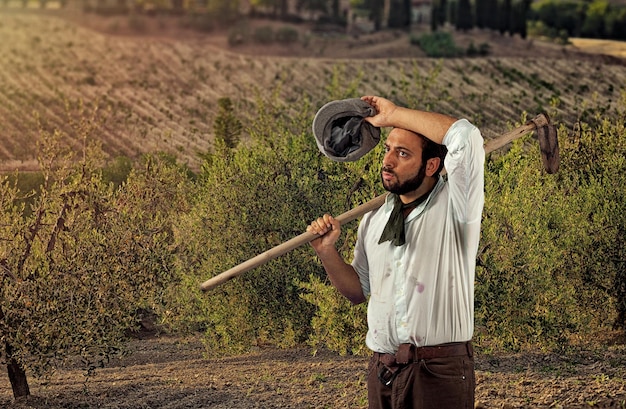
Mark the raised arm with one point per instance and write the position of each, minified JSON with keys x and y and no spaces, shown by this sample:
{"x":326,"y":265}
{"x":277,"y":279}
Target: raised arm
{"x":430,"y":124}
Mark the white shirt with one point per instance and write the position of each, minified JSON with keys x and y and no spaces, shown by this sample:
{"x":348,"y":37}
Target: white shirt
{"x":423,"y":292}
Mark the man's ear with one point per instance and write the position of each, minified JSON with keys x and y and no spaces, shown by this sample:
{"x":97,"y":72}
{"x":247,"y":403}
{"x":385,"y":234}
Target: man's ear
{"x":432,"y":165}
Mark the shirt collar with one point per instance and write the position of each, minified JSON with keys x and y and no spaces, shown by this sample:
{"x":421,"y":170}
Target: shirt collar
{"x":420,"y":208}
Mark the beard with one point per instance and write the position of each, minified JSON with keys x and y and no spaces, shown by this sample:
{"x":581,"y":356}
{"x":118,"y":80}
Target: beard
{"x":410,"y":185}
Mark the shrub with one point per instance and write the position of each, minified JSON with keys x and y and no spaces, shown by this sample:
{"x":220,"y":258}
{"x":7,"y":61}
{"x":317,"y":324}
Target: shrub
{"x":539,"y":29}
{"x":199,"y":21}
{"x":264,"y":35}
{"x":248,"y":200}
{"x":89,"y":258}
{"x":337,"y":325}
{"x":551,"y":268}
{"x":437,"y":44}
{"x":482,"y":50}
{"x":238,"y":35}
{"x":287,"y":35}
{"x":117,"y":171}
{"x":137,"y":22}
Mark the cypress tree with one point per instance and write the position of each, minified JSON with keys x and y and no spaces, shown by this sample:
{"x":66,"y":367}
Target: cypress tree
{"x":443,"y":12}
{"x":481,"y":13}
{"x":519,"y":17}
{"x":434,"y":20}
{"x":492,"y":14}
{"x":504,"y":17}
{"x":399,"y":14}
{"x":376,"y":13}
{"x":464,"y":20}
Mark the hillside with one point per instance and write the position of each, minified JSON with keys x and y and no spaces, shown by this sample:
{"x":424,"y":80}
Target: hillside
{"x":161,"y":83}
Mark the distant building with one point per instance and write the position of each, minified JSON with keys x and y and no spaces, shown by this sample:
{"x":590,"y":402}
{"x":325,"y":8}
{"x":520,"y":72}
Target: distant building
{"x":420,"y":11}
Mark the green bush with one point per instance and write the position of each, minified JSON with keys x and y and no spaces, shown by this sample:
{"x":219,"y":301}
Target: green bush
{"x":482,"y":50}
{"x":263,"y":35}
{"x":117,"y":170}
{"x":204,"y":22}
{"x":337,"y":324}
{"x":551,"y":268}
{"x":539,"y":29}
{"x":559,"y":15}
{"x":238,"y":35}
{"x":437,"y":44}
{"x":247,"y":201}
{"x":286,"y":35}
{"x":137,"y":22}
{"x":597,"y":18}
{"x":89,"y":256}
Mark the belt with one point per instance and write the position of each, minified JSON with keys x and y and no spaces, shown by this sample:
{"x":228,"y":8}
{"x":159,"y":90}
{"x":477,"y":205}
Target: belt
{"x":408,"y":353}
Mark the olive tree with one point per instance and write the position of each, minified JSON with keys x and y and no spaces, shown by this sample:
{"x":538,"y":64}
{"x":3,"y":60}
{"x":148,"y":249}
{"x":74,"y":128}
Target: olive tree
{"x":75,"y":269}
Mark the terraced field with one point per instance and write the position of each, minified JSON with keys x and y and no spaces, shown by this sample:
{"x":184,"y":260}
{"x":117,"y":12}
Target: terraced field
{"x":160,"y":88}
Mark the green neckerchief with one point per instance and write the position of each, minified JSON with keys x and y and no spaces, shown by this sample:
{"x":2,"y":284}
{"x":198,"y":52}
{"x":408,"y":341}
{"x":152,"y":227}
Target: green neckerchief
{"x":394,"y":229}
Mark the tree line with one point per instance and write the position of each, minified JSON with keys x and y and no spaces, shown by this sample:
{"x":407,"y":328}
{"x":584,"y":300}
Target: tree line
{"x":590,"y":19}
{"x":555,"y":18}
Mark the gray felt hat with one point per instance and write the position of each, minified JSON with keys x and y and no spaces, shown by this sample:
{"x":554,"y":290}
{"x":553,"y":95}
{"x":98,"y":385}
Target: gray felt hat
{"x":341,"y":132}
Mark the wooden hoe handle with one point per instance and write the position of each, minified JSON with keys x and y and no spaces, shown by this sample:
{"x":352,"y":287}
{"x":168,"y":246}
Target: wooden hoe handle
{"x":304,"y":238}
{"x":289,"y":245}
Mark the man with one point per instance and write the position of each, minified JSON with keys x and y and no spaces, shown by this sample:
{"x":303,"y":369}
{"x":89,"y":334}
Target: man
{"x":415,"y":259}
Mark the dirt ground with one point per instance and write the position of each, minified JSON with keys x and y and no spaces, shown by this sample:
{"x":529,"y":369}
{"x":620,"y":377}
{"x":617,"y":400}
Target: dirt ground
{"x":169,"y":372}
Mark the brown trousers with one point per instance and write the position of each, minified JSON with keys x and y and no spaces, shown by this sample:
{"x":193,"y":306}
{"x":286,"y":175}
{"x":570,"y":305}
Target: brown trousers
{"x":436,"y":383}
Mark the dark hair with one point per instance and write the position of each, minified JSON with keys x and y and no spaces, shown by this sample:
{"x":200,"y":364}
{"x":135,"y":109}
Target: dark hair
{"x":431,"y":149}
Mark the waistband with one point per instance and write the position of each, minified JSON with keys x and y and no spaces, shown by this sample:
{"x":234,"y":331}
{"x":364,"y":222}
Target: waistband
{"x":408,"y":353}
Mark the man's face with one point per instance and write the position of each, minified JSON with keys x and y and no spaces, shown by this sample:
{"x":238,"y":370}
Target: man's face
{"x":403,"y":171}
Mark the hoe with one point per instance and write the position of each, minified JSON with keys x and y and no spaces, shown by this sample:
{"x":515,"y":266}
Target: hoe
{"x":548,"y":144}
